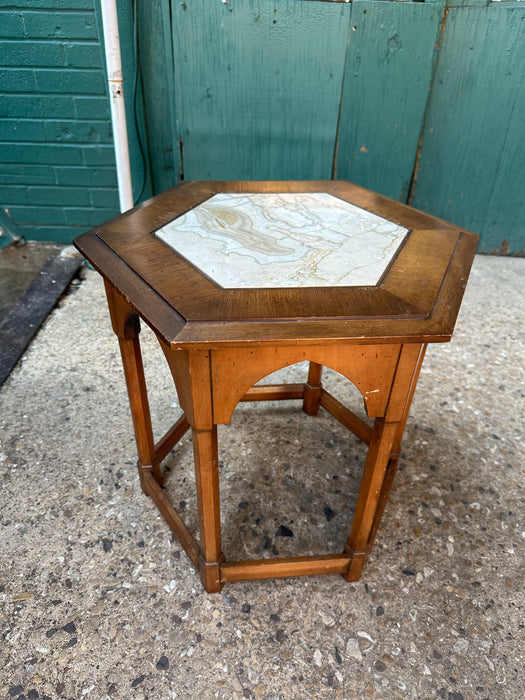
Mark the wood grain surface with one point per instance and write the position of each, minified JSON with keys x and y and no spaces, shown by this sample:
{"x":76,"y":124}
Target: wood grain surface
{"x":472,"y":163}
{"x":258,"y":86}
{"x":155,"y":54}
{"x":213,"y":372}
{"x":388,"y":73}
{"x":417,"y":297}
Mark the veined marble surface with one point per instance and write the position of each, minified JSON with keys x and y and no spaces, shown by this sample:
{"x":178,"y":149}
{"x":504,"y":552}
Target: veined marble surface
{"x":284,"y":240}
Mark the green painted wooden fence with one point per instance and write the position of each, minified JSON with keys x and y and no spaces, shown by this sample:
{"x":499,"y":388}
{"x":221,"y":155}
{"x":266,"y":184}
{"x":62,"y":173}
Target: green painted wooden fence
{"x":472,"y":164}
{"x":419,"y":101}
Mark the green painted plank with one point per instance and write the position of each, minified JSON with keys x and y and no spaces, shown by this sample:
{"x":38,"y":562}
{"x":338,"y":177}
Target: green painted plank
{"x":469,"y":3}
{"x":387,"y":77}
{"x":258,"y":86}
{"x":473,"y":153}
{"x":156,"y":61}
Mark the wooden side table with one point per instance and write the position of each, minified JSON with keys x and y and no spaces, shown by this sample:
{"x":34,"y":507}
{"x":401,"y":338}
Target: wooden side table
{"x":239,"y":279}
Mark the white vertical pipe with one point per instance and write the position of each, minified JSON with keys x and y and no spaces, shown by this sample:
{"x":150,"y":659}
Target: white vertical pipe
{"x":116,"y":99}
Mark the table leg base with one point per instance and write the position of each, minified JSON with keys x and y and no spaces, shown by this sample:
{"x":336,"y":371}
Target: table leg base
{"x":286,"y":566}
{"x":386,"y":376}
{"x":210,"y":574}
{"x":215,"y":574}
{"x":355,"y":567}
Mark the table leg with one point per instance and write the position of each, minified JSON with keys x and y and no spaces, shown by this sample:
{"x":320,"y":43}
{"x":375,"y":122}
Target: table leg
{"x":382,"y":457}
{"x":312,"y":389}
{"x":373,"y":475}
{"x":191,"y":372}
{"x":394,"y":455}
{"x":207,"y":480}
{"x":127,"y":327}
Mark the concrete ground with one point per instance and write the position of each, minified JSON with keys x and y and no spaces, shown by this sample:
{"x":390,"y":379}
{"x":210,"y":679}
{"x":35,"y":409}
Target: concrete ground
{"x":19,"y":263}
{"x":99,"y":601}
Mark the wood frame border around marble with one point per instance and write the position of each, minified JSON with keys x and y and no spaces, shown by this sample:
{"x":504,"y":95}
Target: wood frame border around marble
{"x":417,"y":298}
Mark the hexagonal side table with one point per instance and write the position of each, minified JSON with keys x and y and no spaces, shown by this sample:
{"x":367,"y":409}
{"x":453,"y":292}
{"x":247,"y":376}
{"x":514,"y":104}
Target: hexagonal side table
{"x":239,"y":279}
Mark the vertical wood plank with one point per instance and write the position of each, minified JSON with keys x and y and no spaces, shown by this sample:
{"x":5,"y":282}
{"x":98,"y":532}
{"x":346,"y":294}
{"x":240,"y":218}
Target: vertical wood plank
{"x":258,"y":87}
{"x":156,"y":60}
{"x":473,"y":151}
{"x":387,"y":77}
{"x":470,"y":3}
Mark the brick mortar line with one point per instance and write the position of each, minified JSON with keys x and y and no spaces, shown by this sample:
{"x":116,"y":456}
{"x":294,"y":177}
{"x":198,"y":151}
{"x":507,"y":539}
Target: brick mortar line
{"x":45,"y":10}
{"x":41,"y":67}
{"x":61,"y":144}
{"x":58,"y":69}
{"x":97,"y":188}
{"x":39,"y":93}
{"x":55,"y":119}
{"x":69,"y":143}
{"x":51,"y":40}
{"x":69,"y":207}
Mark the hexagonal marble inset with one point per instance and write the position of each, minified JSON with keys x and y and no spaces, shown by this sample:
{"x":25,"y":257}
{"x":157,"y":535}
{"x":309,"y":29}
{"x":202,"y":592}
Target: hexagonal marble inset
{"x":284,"y":240}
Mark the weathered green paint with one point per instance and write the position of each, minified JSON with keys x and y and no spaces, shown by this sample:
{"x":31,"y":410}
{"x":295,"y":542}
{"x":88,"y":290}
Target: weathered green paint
{"x":156,"y":60}
{"x":469,"y":3}
{"x":258,"y":86}
{"x":472,"y":165}
{"x":259,"y":89}
{"x":387,"y":78}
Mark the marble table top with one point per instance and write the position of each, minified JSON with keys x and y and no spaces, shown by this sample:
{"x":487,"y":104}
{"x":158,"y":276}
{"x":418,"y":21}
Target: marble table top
{"x":284,"y":240}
